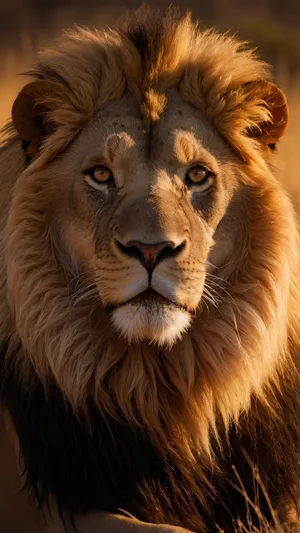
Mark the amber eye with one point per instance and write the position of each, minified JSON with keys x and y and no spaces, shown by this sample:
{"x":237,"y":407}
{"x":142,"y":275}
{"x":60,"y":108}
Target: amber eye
{"x":98,"y":176}
{"x":199,"y":176}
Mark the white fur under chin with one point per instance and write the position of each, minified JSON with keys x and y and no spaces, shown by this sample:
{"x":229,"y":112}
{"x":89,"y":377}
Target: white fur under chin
{"x":155,"y":322}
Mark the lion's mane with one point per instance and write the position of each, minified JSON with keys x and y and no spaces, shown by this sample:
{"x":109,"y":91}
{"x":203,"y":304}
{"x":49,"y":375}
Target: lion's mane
{"x":231,"y":383}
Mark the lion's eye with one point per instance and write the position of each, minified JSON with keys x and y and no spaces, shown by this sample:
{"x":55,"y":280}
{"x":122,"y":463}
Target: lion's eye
{"x":199,"y":176}
{"x":98,"y":176}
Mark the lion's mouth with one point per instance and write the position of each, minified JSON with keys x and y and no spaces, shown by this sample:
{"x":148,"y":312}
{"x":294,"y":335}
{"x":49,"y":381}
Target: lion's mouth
{"x":147,"y":297}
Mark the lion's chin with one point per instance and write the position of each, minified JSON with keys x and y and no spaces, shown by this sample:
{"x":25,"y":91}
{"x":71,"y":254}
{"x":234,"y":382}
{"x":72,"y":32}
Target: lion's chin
{"x":154,"y":321}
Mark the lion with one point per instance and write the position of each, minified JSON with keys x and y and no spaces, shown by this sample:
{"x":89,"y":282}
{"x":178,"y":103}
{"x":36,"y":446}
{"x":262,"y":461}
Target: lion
{"x":149,"y":313}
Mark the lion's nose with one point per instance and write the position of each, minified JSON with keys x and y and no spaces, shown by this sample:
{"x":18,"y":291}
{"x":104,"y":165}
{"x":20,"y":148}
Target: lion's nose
{"x":150,"y":254}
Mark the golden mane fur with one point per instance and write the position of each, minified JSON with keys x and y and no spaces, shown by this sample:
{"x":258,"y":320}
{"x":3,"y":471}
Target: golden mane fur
{"x":236,"y":349}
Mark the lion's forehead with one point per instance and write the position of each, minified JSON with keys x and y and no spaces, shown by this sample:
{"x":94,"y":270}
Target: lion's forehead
{"x":155,"y":143}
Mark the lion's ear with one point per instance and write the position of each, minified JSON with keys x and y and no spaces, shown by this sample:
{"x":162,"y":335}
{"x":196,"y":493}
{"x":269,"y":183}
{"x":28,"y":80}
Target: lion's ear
{"x":30,"y":114}
{"x":267,"y":95}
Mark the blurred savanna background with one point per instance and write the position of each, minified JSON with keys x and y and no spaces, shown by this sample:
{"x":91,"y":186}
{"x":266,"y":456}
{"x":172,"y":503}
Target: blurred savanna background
{"x":271,"y":26}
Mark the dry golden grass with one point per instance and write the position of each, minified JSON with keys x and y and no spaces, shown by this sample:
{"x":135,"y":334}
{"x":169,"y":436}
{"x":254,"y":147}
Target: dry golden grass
{"x":287,"y":161}
{"x":12,"y":63}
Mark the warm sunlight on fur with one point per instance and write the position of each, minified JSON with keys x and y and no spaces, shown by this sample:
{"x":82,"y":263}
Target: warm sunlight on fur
{"x":149,"y":257}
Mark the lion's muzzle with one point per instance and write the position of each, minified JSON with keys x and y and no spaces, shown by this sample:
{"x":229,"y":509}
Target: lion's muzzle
{"x":158,"y":288}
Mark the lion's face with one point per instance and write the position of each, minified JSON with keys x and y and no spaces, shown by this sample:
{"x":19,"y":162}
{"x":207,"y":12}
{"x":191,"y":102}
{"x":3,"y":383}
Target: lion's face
{"x":142,"y":207}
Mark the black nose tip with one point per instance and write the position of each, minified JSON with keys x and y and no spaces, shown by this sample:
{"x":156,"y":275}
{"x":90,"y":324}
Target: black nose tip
{"x":150,"y":254}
